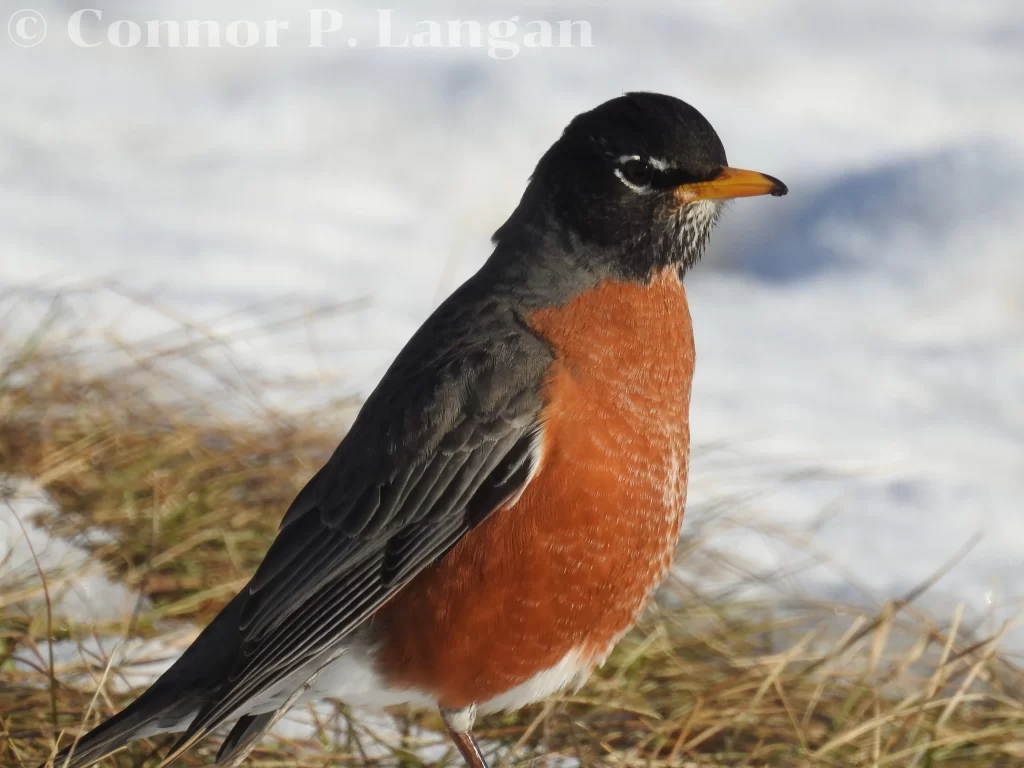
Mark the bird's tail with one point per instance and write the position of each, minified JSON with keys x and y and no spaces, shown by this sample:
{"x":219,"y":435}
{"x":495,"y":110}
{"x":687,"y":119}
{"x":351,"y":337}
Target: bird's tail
{"x":172,"y":701}
{"x":151,"y":713}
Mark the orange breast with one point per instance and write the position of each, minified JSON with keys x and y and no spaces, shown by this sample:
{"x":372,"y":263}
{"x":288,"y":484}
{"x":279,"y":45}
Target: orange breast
{"x":569,"y":567}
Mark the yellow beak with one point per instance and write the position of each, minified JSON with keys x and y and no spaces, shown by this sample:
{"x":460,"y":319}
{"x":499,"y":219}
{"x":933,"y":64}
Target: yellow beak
{"x":730,"y":183}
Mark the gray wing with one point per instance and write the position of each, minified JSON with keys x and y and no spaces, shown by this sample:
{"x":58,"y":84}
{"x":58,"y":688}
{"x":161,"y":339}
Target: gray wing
{"x":448,"y":437}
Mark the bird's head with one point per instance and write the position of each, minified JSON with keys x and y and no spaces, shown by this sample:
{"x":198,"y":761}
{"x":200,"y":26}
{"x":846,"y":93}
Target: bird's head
{"x":639,"y":182}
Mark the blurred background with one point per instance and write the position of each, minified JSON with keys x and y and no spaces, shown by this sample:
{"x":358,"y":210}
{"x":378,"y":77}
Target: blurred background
{"x":860,"y":342}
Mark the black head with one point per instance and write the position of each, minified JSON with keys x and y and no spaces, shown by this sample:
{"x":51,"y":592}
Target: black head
{"x":639,"y":180}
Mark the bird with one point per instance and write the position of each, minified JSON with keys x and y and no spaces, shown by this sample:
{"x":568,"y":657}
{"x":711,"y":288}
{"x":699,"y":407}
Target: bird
{"x":510,"y":495}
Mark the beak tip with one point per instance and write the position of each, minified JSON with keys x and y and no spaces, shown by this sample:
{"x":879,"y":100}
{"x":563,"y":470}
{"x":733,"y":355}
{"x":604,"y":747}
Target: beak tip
{"x":778,"y":189}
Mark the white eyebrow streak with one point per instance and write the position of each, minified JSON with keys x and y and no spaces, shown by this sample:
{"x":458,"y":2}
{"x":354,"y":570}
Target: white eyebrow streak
{"x":658,"y":163}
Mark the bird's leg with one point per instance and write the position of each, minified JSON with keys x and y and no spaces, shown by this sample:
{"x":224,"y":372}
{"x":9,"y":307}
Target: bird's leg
{"x":468,"y":747}
{"x":459,"y":724}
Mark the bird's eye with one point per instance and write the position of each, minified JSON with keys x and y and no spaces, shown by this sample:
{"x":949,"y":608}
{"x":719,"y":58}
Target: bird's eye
{"x":637,"y":173}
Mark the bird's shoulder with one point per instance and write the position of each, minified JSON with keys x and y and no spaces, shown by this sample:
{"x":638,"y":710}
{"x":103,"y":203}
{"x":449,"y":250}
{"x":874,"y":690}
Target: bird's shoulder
{"x":474,"y":369}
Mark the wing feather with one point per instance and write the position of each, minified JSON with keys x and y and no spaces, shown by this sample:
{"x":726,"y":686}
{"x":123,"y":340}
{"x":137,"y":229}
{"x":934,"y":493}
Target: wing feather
{"x":448,"y":437}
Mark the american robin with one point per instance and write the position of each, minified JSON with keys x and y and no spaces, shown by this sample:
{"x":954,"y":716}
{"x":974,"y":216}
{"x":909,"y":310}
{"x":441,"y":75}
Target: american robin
{"x":511,"y":493}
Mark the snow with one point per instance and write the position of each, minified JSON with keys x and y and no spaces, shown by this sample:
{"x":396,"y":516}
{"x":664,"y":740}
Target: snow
{"x":75,"y":584}
{"x":860,"y":342}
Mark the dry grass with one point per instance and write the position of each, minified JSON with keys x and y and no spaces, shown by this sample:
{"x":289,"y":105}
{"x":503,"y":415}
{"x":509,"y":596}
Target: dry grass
{"x":187,"y":496}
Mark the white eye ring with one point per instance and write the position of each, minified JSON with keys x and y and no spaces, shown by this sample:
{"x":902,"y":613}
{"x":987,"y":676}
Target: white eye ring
{"x":623,"y":160}
{"x":642,"y":190}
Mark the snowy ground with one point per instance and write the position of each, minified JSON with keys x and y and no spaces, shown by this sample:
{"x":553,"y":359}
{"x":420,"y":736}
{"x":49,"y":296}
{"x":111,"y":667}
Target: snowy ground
{"x":860,"y":342}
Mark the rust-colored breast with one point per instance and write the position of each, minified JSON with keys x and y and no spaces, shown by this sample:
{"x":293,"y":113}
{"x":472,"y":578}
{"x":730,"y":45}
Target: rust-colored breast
{"x":569,"y":567}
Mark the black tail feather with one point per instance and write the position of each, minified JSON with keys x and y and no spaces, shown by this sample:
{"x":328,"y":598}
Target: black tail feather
{"x":243,"y":736}
{"x":173,"y":700}
{"x":145,"y":716}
